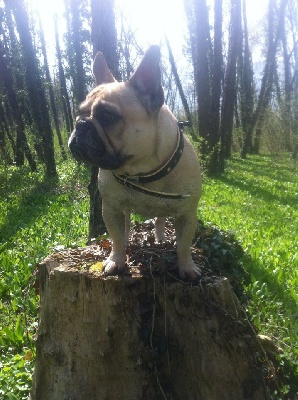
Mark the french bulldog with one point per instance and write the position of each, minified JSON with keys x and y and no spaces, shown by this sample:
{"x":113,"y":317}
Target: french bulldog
{"x":146,"y":163}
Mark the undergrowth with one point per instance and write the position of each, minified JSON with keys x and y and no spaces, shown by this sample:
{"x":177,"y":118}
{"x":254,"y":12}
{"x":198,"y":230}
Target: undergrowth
{"x":254,"y":203}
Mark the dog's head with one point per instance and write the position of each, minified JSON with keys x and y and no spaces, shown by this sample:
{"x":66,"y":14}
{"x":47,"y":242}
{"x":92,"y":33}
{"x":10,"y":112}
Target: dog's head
{"x":117,"y":121}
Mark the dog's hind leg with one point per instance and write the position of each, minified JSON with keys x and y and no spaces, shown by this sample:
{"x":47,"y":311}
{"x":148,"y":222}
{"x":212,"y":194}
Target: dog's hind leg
{"x":160,"y":229}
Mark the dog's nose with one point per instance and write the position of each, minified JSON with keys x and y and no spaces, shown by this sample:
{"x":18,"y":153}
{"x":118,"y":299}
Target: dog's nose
{"x":84,"y":125}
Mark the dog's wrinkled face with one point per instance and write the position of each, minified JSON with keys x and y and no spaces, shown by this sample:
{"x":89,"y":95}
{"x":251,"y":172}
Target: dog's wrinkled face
{"x":98,"y":122}
{"x":111,"y":120}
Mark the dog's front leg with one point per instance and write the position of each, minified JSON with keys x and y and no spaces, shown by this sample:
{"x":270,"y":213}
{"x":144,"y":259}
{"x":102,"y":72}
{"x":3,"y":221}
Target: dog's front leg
{"x":185,"y":227}
{"x":115,"y":223}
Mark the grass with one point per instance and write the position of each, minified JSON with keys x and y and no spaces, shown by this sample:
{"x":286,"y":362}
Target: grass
{"x":256,"y":198}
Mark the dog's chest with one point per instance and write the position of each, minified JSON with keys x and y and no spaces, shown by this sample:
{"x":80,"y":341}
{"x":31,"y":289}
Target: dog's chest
{"x":118,"y":197}
{"x":147,"y":205}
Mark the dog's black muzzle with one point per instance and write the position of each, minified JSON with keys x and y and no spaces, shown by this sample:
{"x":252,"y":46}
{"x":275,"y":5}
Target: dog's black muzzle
{"x":86,"y":146}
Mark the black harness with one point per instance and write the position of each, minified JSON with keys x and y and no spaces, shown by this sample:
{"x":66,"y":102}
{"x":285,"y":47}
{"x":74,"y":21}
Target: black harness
{"x":134,"y":182}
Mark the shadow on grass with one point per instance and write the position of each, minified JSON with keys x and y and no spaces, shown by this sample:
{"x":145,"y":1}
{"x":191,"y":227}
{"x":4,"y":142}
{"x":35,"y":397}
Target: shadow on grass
{"x":276,"y":288}
{"x":34,"y":202}
{"x":258,"y":169}
{"x":25,"y":196}
{"x":275,"y":168}
{"x":255,"y":189}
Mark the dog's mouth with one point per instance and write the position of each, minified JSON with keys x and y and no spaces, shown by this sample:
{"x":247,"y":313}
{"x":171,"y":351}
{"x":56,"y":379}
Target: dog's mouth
{"x":86,"y":145}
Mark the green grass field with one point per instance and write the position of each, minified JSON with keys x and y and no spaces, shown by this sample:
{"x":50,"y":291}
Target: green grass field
{"x":256,"y":199}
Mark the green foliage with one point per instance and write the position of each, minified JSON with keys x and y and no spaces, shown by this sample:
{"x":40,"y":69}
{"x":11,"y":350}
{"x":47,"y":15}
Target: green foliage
{"x":224,"y":254}
{"x":15,"y":374}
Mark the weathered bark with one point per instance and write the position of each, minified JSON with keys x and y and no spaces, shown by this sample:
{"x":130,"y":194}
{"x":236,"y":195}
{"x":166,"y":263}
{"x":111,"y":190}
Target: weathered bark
{"x":138,"y":337}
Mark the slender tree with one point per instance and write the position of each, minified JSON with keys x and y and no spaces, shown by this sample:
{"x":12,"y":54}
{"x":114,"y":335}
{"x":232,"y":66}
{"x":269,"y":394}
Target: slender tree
{"x":286,"y":102}
{"x":21,"y":146}
{"x":202,"y":70}
{"x":104,"y":39}
{"x":4,"y":130}
{"x":229,"y":93}
{"x":76,"y":38}
{"x":51,"y":90}
{"x":216,"y":86}
{"x":62,"y":81}
{"x":180,"y":89}
{"x":246,"y":88}
{"x":36,"y":93}
{"x":274,"y":36}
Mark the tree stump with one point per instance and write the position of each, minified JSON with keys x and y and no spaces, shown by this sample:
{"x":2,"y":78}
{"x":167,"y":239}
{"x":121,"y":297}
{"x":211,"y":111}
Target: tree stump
{"x":140,"y":336}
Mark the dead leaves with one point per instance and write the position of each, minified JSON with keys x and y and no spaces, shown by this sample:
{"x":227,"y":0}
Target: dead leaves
{"x":145,"y":256}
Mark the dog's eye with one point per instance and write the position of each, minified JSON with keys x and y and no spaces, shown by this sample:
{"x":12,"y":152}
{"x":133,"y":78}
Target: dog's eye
{"x":106,"y":117}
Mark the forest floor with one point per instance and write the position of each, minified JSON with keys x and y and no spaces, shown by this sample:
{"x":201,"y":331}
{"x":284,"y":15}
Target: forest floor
{"x":253,"y":208}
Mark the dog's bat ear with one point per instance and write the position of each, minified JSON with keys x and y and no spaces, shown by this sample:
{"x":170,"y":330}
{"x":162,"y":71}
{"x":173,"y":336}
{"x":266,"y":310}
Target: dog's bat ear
{"x":147,"y":80}
{"x":101,"y":71}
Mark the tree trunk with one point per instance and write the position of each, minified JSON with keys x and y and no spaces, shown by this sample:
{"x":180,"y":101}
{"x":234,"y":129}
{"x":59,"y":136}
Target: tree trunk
{"x":51,"y":90}
{"x":181,"y":91}
{"x":141,"y":337}
{"x":246,"y":89}
{"x":216,"y":81}
{"x":96,"y":223}
{"x":80,"y":74}
{"x":36,"y":95}
{"x":104,"y":39}
{"x":229,"y":95}
{"x":270,"y":68}
{"x":22,"y":147}
{"x":202,"y":71}
{"x":104,"y":33}
{"x":63,"y":87}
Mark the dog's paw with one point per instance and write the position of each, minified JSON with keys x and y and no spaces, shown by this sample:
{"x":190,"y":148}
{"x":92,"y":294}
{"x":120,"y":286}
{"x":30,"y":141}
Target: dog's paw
{"x":113,"y":266}
{"x":189,"y":271}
